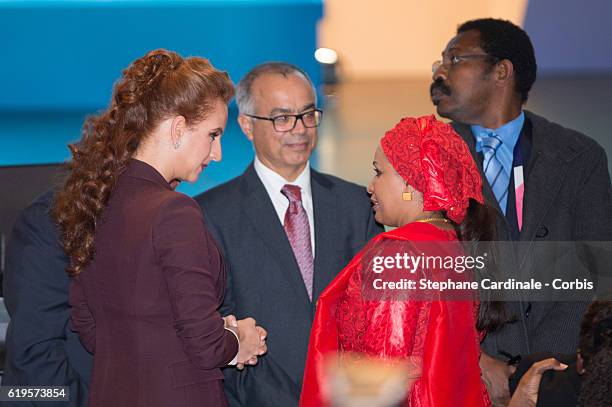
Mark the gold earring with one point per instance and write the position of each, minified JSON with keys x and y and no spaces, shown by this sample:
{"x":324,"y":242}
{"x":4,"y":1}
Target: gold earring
{"x":407,"y":196}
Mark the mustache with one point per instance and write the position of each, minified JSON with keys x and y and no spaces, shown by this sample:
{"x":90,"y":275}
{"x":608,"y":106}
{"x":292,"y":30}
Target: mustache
{"x":439,"y":85}
{"x":297,"y":140}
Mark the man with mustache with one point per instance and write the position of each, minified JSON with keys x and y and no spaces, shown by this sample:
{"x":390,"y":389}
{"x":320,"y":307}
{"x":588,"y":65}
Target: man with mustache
{"x":285,"y":229}
{"x":545,"y":182}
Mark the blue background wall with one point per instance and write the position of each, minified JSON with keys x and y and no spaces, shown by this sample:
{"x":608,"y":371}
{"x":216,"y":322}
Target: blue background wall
{"x":60,"y":59}
{"x":571,"y":36}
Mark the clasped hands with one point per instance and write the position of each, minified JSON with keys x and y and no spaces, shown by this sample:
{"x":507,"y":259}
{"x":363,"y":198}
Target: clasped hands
{"x":252,"y":339}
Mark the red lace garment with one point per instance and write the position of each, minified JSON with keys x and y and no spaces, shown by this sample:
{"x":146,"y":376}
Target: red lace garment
{"x":438,"y":336}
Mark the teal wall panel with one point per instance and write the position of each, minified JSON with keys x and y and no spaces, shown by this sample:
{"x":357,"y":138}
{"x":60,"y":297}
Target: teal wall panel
{"x":60,"y":59}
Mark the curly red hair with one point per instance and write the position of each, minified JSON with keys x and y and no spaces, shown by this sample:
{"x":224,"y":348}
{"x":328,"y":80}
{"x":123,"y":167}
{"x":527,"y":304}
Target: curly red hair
{"x":159,"y":85}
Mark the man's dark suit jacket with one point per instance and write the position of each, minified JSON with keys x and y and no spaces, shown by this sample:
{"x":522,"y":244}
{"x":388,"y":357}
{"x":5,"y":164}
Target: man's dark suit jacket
{"x":147,"y":304}
{"x":41,"y":348}
{"x":264,"y":281}
{"x":568,"y":197}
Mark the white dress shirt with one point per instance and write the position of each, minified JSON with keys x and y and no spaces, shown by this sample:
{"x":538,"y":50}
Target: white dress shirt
{"x":273,"y":183}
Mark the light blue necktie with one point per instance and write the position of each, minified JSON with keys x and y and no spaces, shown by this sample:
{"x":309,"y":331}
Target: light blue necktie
{"x":498,"y":177}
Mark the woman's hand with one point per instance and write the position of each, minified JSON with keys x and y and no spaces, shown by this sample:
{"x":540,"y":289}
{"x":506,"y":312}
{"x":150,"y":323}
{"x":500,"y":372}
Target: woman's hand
{"x":526,"y":394}
{"x":252,"y":341}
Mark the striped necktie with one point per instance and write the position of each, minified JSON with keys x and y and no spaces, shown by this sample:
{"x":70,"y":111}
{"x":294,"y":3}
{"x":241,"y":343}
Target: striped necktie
{"x":497,"y":175}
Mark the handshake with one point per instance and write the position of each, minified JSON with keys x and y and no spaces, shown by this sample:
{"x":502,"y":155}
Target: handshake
{"x":252,"y":339}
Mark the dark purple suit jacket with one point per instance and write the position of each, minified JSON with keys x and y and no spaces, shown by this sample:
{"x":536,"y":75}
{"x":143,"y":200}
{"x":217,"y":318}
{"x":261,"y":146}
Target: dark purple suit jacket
{"x":147,"y":304}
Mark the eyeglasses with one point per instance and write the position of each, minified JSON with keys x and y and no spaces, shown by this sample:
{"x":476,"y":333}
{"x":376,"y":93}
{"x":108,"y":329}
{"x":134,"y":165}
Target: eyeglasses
{"x":455,"y":59}
{"x":287,"y":122}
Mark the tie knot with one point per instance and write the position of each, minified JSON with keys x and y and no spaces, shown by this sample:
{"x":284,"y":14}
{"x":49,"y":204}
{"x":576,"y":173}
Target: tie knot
{"x":490,"y":141}
{"x":292,"y":192}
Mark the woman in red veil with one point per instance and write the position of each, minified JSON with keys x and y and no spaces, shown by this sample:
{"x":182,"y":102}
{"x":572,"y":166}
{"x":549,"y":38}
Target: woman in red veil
{"x":428,"y":186}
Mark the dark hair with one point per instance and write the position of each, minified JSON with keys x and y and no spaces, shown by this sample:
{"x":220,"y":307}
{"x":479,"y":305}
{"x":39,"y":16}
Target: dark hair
{"x":476,"y":231}
{"x":596,"y":351}
{"x":157,"y":86}
{"x":244,"y":97}
{"x":504,"y":40}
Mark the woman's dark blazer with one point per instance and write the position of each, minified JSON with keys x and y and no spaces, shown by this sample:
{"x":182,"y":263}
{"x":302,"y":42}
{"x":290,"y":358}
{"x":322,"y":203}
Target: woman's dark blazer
{"x":147,"y":304}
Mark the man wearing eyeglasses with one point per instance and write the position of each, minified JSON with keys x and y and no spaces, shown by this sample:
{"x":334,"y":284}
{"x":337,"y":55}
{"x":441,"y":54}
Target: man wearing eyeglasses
{"x":544,"y":182}
{"x":285,"y":229}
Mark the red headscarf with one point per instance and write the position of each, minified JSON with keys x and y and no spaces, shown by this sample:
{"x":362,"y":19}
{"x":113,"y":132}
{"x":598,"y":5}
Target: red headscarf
{"x":433,"y":159}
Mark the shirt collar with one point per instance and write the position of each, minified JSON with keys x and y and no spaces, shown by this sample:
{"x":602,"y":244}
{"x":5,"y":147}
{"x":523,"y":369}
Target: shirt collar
{"x":509,"y":132}
{"x":275,"y":182}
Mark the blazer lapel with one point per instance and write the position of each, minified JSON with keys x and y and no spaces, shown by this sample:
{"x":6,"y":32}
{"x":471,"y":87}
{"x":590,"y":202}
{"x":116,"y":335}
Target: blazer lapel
{"x":326,"y":232}
{"x":544,"y":179}
{"x":546,"y":172}
{"x":260,"y":210}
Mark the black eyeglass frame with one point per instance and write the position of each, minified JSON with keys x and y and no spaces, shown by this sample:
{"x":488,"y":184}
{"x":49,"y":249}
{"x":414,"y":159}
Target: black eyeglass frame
{"x":455,"y":59}
{"x":296,"y":117}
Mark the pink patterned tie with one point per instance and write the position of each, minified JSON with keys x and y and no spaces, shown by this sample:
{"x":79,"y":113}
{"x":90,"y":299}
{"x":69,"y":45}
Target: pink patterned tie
{"x":298,"y":232}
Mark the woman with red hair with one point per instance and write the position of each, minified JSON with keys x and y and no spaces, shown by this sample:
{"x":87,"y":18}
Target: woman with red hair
{"x":427,"y":185}
{"x":147,"y":276}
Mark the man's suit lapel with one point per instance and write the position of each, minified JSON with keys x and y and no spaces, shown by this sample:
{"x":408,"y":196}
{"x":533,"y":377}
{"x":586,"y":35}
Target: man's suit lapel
{"x":260,"y":210}
{"x":546,"y":172}
{"x":326,"y":232}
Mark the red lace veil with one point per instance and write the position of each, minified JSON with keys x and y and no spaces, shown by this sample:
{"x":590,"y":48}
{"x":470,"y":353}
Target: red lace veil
{"x":434,"y":160}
